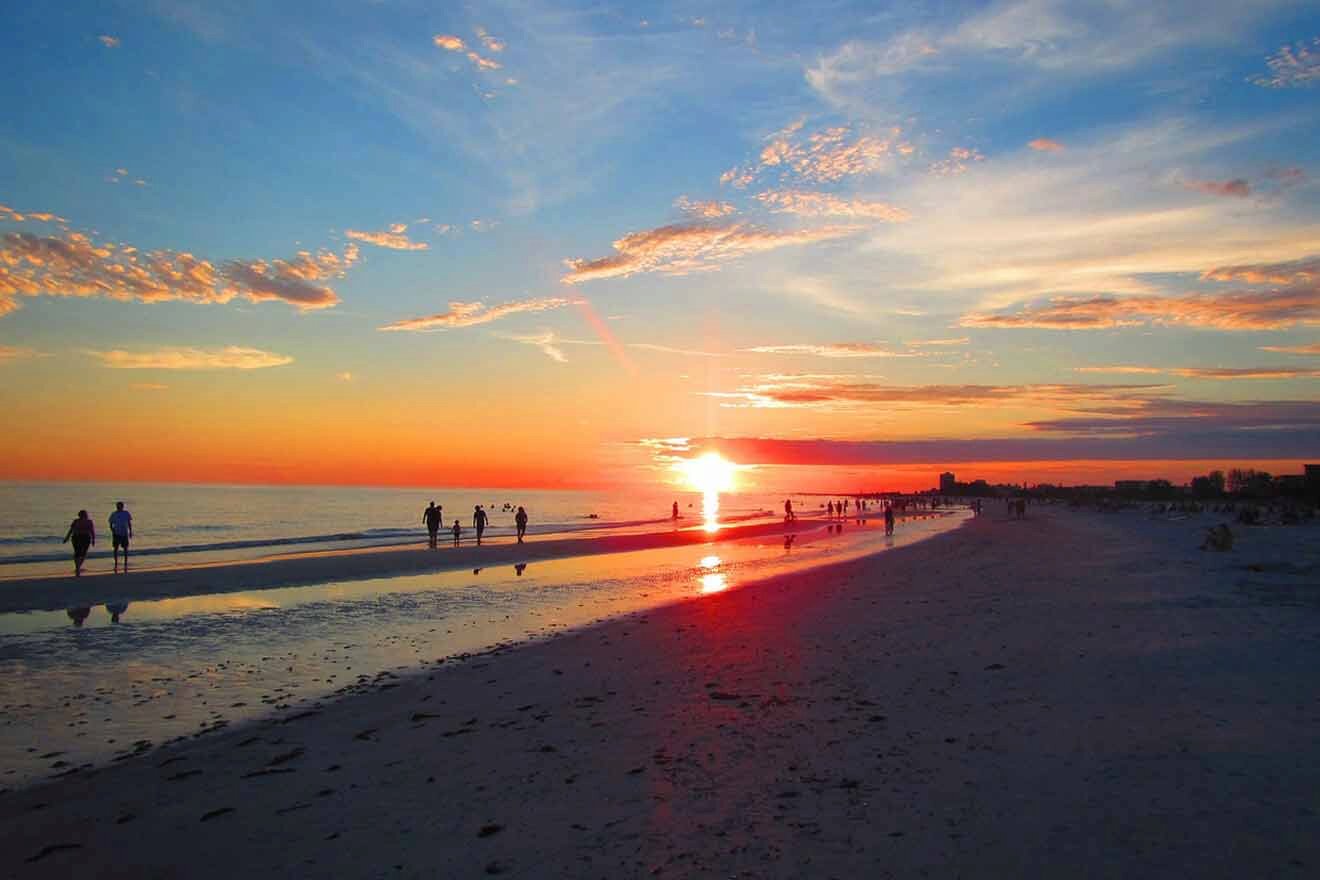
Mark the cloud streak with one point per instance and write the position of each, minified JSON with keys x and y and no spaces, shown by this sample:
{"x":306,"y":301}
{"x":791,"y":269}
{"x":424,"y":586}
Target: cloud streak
{"x":832,"y":350}
{"x":471,"y":314}
{"x":395,"y":238}
{"x":1292,"y":67}
{"x":230,"y":357}
{"x":819,"y":204}
{"x":1226,"y":373}
{"x":683,"y":248}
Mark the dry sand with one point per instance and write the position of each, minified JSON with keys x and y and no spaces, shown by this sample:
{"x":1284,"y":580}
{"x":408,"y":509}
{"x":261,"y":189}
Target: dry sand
{"x":1065,"y":696}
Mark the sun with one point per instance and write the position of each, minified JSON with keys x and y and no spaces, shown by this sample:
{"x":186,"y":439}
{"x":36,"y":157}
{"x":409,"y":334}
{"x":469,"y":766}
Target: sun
{"x":709,"y":473}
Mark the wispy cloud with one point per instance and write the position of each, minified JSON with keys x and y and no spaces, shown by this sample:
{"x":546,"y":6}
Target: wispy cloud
{"x":937,"y":343}
{"x":957,"y":162}
{"x":394,"y":238}
{"x":1292,"y":66}
{"x":10,"y":353}
{"x":832,"y":350}
{"x":1237,"y":188}
{"x":8,"y":213}
{"x":820,"y":204}
{"x":492,"y":44}
{"x":684,"y":248}
{"x":1226,"y":373}
{"x":776,"y":392}
{"x":231,"y":357}
{"x":108,"y":41}
{"x":818,"y":157}
{"x":1046,"y":145}
{"x":1305,"y":271}
{"x":709,"y":210}
{"x":546,"y":341}
{"x":451,"y":43}
{"x":1239,"y":310}
{"x":470,"y":314}
{"x":1313,"y":348}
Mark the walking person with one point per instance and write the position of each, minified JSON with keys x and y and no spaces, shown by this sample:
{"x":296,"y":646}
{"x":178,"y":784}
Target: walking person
{"x":789,"y":516}
{"x":675,"y":510}
{"x":121,"y":529}
{"x":479,"y":522}
{"x":520,"y":520}
{"x":433,"y":516}
{"x":889,"y":519}
{"x":458,"y":531}
{"x":83,"y":533}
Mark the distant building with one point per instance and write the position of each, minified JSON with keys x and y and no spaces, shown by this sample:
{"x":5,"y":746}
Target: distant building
{"x":1130,"y":485}
{"x":948,"y":485}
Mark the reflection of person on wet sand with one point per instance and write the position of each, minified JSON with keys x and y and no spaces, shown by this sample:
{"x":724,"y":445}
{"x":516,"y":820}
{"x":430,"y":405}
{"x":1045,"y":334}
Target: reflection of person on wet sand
{"x":78,"y":615}
{"x":83,"y":533}
{"x":116,"y":609}
{"x":520,"y":568}
{"x":520,"y":520}
{"x":433,"y":516}
{"x":788,"y":541}
{"x":479,"y":522}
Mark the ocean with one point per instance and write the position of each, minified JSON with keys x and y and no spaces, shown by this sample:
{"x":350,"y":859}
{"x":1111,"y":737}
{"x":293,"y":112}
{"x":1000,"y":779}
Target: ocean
{"x":176,"y":524}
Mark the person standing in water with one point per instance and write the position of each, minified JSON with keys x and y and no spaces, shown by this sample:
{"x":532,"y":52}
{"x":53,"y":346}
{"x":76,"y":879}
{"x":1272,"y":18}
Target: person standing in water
{"x":675,"y":510}
{"x":83,"y":534}
{"x":789,"y":516}
{"x":479,"y":522}
{"x":121,"y":529}
{"x":458,"y":532}
{"x":889,"y":519}
{"x":520,"y":520}
{"x":433,"y":516}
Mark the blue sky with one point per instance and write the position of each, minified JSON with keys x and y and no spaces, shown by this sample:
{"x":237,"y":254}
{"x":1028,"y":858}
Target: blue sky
{"x":754,"y":217}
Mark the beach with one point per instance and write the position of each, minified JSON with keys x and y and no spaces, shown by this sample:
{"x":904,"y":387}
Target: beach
{"x":1071,"y":694}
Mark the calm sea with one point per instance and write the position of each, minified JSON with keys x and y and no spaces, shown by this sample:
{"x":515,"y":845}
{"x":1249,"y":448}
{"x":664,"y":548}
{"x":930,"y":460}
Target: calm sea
{"x":174,"y":524}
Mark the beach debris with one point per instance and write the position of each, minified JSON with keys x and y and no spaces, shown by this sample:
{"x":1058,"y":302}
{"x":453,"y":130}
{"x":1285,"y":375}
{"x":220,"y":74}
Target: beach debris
{"x":490,"y":828}
{"x":216,"y":813}
{"x":285,"y":757}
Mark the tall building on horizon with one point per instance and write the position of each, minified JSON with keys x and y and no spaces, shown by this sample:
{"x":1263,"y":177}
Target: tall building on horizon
{"x":947,"y":483}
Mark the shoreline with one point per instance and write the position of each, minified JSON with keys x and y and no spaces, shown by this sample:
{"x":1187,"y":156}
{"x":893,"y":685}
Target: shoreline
{"x":55,"y":593}
{"x":976,"y":704}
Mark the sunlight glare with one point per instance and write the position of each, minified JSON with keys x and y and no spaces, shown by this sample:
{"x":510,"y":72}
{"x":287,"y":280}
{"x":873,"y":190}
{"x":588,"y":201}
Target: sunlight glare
{"x":710,"y":474}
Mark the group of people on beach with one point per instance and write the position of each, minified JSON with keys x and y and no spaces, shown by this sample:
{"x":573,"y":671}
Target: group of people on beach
{"x":82,"y":532}
{"x":434,"y":518}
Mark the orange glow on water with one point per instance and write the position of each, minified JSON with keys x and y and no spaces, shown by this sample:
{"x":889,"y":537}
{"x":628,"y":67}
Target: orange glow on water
{"x":709,"y":474}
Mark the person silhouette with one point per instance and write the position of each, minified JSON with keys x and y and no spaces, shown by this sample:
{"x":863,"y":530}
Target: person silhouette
{"x":789,"y":516}
{"x":433,"y":516}
{"x":830,"y":508}
{"x":121,"y":529}
{"x":520,"y":520}
{"x":479,"y":522}
{"x":889,"y":519}
{"x":83,"y":533}
{"x":458,"y":531}
{"x":675,"y":510}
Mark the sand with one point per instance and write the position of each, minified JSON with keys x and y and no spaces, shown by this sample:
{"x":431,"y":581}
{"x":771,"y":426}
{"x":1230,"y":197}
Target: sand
{"x":1071,"y":695}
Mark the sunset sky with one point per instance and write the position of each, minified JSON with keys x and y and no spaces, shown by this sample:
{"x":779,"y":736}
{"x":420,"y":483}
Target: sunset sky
{"x":559,"y":244}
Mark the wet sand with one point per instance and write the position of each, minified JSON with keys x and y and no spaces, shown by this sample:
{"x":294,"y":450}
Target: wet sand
{"x":297,"y":569}
{"x":1067,"y":695}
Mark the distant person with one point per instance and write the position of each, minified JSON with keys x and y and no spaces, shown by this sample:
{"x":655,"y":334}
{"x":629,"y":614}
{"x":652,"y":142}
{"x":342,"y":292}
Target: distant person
{"x":83,"y":534}
{"x":520,"y":520}
{"x":675,"y":510}
{"x":830,"y":509}
{"x":433,"y":516}
{"x":116,"y":608}
{"x":78,"y":615}
{"x":479,"y":522}
{"x":458,"y":531}
{"x":889,"y":520}
{"x":789,"y":515}
{"x":121,"y":529}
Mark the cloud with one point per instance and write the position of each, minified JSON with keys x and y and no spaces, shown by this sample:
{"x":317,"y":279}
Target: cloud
{"x":1237,"y":187}
{"x":545,"y":341}
{"x":1211,"y":372}
{"x":686,"y":247}
{"x":470,"y":314}
{"x":819,"y":204}
{"x":1292,"y":66}
{"x":8,"y":304}
{"x":148,"y":386}
{"x":709,"y":210}
{"x":344,"y":376}
{"x":937,"y":343}
{"x":1294,"y":272}
{"x":819,"y":157}
{"x":10,"y":353}
{"x":491,"y":43}
{"x":393,"y":238}
{"x":1313,"y":348}
{"x":230,"y":357}
{"x":8,"y":213}
{"x":483,"y":63}
{"x":1239,"y":310}
{"x":108,"y":41}
{"x":777,"y":392}
{"x":72,"y":264}
{"x":449,"y":42}
{"x":959,"y":160}
{"x":832,"y":350}
{"x":1046,"y":145}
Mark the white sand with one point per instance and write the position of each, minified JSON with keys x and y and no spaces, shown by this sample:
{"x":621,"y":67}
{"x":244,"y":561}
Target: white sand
{"x":1069,"y":695}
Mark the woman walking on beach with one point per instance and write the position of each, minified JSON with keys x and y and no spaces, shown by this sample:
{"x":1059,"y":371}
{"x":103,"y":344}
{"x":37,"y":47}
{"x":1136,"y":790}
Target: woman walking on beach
{"x":520,"y":520}
{"x":83,"y":533}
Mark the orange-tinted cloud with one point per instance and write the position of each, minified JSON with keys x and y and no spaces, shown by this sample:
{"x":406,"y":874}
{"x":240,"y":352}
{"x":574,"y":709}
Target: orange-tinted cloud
{"x":394,"y":238}
{"x":959,"y":160}
{"x":1292,"y":66}
{"x":1313,"y":348}
{"x":449,"y":42}
{"x":810,"y":390}
{"x":685,"y":247}
{"x":72,"y":264}
{"x":1293,"y":272}
{"x":1046,"y":145}
{"x":1237,"y":188}
{"x":1211,"y":372}
{"x":470,"y":314}
{"x":821,"y":157}
{"x":492,"y":44}
{"x":231,"y":357}
{"x":832,"y":350}
{"x":820,"y":204}
{"x":710,"y":210}
{"x":937,"y":343}
{"x":8,"y":304}
{"x":1239,"y":310}
{"x":14,"y":353}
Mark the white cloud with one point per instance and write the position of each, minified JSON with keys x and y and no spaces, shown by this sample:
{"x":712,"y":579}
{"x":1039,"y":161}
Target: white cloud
{"x":230,"y":357}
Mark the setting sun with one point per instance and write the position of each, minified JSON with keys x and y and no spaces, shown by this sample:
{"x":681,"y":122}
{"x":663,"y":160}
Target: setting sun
{"x":711,"y":472}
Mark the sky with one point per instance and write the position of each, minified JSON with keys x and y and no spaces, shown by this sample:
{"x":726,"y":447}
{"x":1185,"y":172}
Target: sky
{"x":545,"y":244}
